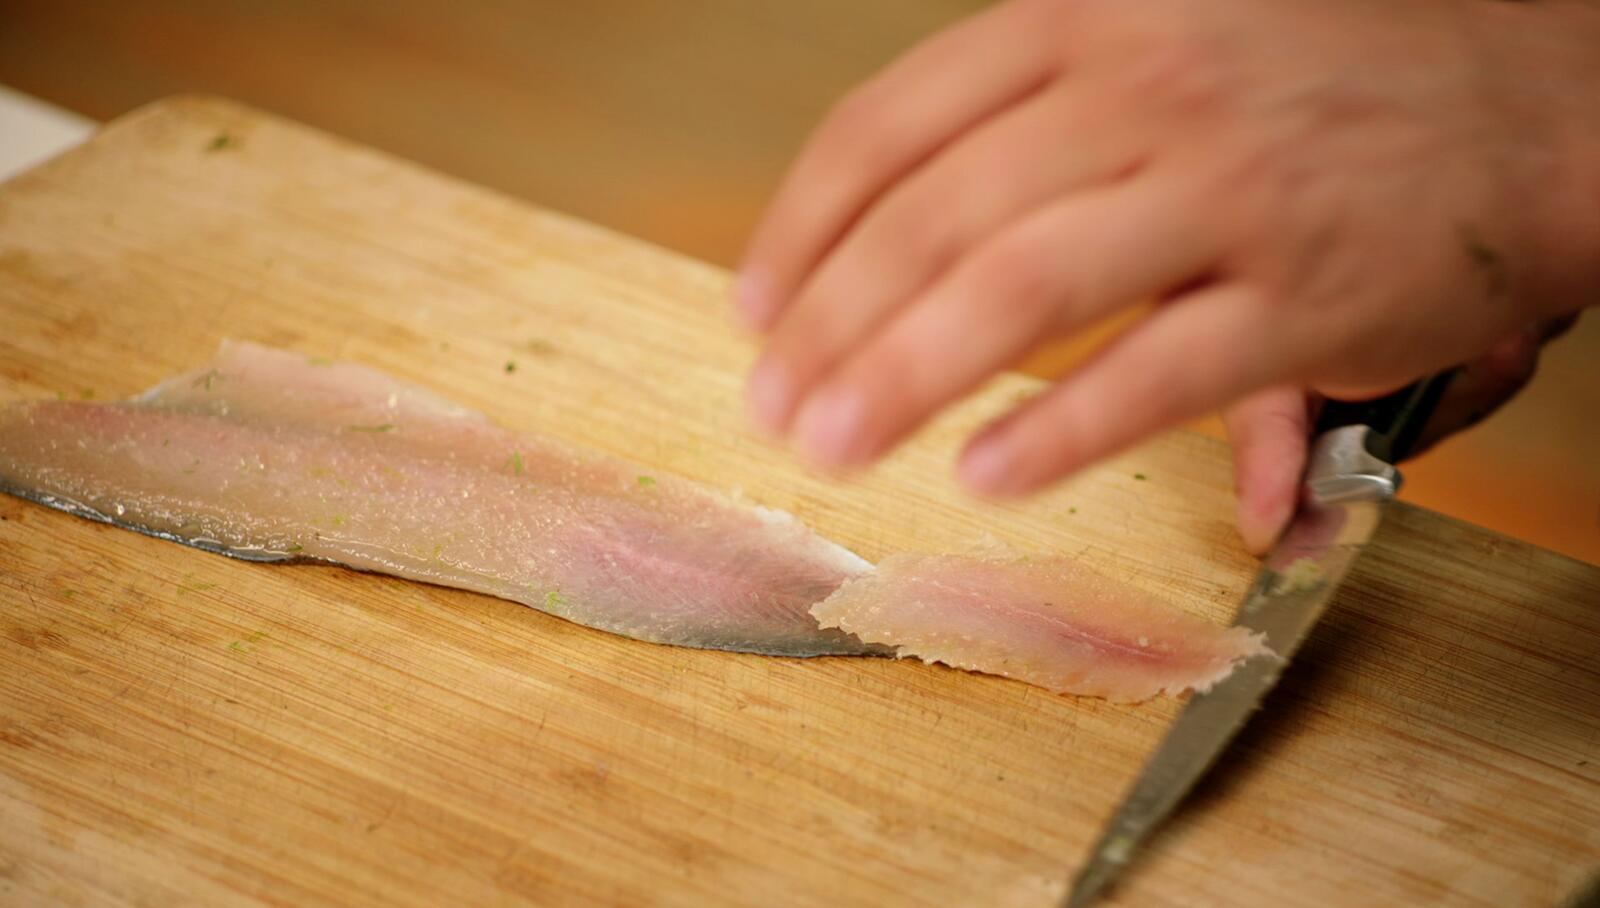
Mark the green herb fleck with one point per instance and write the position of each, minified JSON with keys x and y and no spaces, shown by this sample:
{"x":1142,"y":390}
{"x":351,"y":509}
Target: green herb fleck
{"x":647,"y":481}
{"x":338,"y":520}
{"x":516,"y":462}
{"x":554,"y":600}
{"x":386,"y":427}
{"x":1140,"y":476}
{"x":437,"y":548}
{"x":221,"y":141}
{"x":1072,"y":510}
{"x":318,"y":361}
{"x":68,"y":594}
{"x":511,"y":366}
{"x":165,"y":442}
{"x":297,"y":547}
{"x":191,"y":585}
{"x":247,"y":645}
{"x":207,"y":380}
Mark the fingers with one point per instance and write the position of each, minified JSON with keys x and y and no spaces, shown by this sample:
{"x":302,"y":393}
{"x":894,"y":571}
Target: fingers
{"x":1036,"y":151}
{"x":1192,"y":355}
{"x":1484,"y":385}
{"x":1554,"y":328}
{"x":1054,"y":271}
{"x":1269,"y":431}
{"x":883,"y":129}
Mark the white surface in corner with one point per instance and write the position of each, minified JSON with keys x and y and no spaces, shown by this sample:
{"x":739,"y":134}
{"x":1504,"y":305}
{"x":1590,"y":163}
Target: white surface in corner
{"x":31,"y":131}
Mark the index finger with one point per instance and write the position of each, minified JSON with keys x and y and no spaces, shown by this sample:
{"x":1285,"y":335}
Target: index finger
{"x":883,"y":129}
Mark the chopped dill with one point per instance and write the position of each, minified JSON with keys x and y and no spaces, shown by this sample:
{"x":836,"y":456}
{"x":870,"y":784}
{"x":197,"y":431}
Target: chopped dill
{"x":647,"y":481}
{"x":338,"y":520}
{"x":437,"y":548}
{"x":386,"y":427}
{"x":297,"y":547}
{"x":207,"y":380}
{"x":554,"y":600}
{"x":1140,"y":476}
{"x":511,"y":366}
{"x":221,"y":141}
{"x":1072,"y":510}
{"x":68,"y":594}
{"x":239,"y":646}
{"x":516,"y":462}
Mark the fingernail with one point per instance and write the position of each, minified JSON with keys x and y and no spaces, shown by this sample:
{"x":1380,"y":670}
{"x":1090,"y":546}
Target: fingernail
{"x":989,"y":465}
{"x":768,"y":396}
{"x":829,"y":426}
{"x":1253,"y":532}
{"x":752,"y":298}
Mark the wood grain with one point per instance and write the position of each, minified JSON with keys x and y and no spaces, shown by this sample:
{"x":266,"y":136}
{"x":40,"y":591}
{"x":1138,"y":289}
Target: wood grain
{"x":177,"y":728}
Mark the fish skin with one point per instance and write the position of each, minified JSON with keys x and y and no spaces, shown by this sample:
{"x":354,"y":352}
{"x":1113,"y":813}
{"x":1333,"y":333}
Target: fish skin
{"x":1044,"y":620}
{"x":269,"y":455}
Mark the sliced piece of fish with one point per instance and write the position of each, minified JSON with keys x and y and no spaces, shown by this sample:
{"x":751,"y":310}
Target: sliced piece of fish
{"x":270,"y":455}
{"x":1047,"y":621}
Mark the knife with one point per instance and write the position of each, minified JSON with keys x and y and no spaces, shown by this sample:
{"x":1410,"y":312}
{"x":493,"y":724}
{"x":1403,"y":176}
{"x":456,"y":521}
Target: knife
{"x":1349,"y":479}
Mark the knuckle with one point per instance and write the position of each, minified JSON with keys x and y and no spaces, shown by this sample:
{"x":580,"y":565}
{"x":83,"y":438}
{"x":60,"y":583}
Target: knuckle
{"x":1511,"y":364}
{"x":862,"y":124}
{"x":1010,"y":274}
{"x":914,"y":232}
{"x":856,"y":110}
{"x":1182,"y":70}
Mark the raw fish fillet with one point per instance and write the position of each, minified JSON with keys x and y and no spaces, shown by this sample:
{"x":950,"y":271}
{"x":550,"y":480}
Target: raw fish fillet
{"x":269,"y":455}
{"x":1046,"y":621}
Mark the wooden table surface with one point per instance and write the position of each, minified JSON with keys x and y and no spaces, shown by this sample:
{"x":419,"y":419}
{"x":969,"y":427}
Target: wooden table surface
{"x":178,"y":728}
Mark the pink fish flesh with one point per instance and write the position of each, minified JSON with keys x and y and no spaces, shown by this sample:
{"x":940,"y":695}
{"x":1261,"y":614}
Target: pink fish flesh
{"x":268,"y":455}
{"x":1046,"y":621}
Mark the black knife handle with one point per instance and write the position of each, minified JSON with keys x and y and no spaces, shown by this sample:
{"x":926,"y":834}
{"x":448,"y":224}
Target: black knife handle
{"x":1396,"y":420}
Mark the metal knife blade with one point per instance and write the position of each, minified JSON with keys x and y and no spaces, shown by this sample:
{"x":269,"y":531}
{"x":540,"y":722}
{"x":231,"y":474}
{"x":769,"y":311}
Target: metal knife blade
{"x":1349,"y":481}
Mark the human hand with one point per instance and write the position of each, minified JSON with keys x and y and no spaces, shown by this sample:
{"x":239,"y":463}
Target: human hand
{"x":1331,"y":197}
{"x":1270,"y":430}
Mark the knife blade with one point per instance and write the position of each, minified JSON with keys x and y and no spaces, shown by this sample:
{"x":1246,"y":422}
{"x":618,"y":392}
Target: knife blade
{"x":1349,"y":479}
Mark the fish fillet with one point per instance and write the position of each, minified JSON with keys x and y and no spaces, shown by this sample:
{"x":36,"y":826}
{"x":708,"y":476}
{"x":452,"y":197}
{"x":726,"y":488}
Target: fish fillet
{"x":1046,"y":621}
{"x":268,"y":455}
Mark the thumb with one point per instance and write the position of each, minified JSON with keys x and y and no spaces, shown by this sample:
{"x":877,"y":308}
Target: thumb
{"x":1268,"y":430}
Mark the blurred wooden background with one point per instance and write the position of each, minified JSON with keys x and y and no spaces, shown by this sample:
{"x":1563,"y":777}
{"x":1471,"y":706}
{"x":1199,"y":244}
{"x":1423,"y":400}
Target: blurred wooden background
{"x":670,"y":121}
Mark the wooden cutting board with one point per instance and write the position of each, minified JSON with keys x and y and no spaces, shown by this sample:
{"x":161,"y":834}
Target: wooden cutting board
{"x":179,"y":728}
